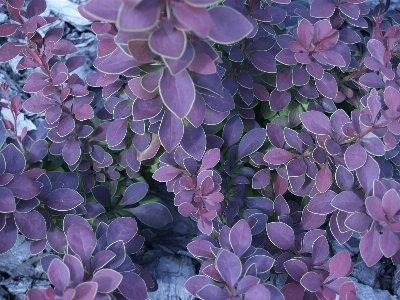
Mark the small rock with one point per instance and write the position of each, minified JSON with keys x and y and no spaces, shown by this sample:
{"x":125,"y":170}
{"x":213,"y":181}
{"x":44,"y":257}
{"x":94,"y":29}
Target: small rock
{"x":171,"y":272}
{"x":365,"y":292}
{"x":67,"y":11}
{"x":364,"y":274}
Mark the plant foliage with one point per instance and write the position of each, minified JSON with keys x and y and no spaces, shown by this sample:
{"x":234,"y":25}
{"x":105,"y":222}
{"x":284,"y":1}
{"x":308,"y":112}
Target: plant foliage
{"x":275,"y":126}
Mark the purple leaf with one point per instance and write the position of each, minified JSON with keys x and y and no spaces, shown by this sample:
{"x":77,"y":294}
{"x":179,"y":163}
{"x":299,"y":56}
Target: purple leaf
{"x":295,"y":268}
{"x":8,"y":236}
{"x":392,"y":99}
{"x":340,"y":265}
{"x":141,"y":17}
{"x":251,"y":142}
{"x":212,"y":292}
{"x":358,"y":222}
{"x":86,"y":291}
{"x":7,"y":203}
{"x":321,"y":203}
{"x":171,"y":131}
{"x":258,"y":292}
{"x":197,"y":19}
{"x":323,"y":180}
{"x":116,"y":132}
{"x":240,"y":237}
{"x":201,"y":248}
{"x":152,"y":214}
{"x":134,"y":193}
{"x":281,"y":235}
{"x":316,"y":122}
{"x":193,"y":141}
{"x":196,"y":283}
{"x":75,"y":268}
{"x":311,"y":282}
{"x":233,"y":131}
{"x":107,"y":279}
{"x":167,"y":41}
{"x":15,"y":160}
{"x":229,"y":267}
{"x":279,"y":100}
{"x":278,"y":156}
{"x":8,"y":51}
{"x":82,"y":241}
{"x":261,"y":179}
{"x":177,"y":92}
{"x":347,"y":201}
{"x":23,"y":187}
{"x":123,"y":229}
{"x":63,"y":199}
{"x":355,"y":157}
{"x":369,"y":247}
{"x":389,"y":243}
{"x":322,"y":8}
{"x":71,"y":152}
{"x":166,"y":173}
{"x":31,"y":224}
{"x":229,"y":25}
{"x":58,"y":274}
{"x":327,"y":86}
{"x":132,"y":284}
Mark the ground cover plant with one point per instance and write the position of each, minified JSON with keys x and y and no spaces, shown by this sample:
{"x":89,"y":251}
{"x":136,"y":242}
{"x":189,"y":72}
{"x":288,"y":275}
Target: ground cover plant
{"x":275,"y":125}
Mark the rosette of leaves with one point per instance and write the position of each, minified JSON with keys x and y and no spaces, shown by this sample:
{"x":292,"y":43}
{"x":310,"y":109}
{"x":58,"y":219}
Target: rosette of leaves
{"x":96,"y":266}
{"x":316,"y":47}
{"x":337,"y":11}
{"x":132,"y":202}
{"x":196,"y":188}
{"x":174,"y":34}
{"x":232,"y":267}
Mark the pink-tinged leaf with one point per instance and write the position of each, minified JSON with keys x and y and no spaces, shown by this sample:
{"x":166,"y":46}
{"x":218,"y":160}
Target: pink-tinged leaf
{"x":8,"y":29}
{"x":37,"y":104}
{"x":229,"y":267}
{"x":367,"y":174}
{"x":251,"y":142}
{"x":31,"y":224}
{"x":82,"y":241}
{"x":166,"y":173}
{"x":347,"y":201}
{"x":167,"y":41}
{"x":84,"y":112}
{"x":196,"y":283}
{"x":359,"y":222}
{"x":389,"y":242}
{"x":58,"y":274}
{"x":71,"y":152}
{"x":281,"y":235}
{"x":75,"y":267}
{"x":240,"y":237}
{"x":86,"y":291}
{"x":197,"y":19}
{"x":230,"y":26}
{"x":101,"y":10}
{"x":295,"y":268}
{"x":107,"y":279}
{"x":261,"y":179}
{"x":372,"y":80}
{"x":177,"y":92}
{"x":193,"y":141}
{"x":171,"y":131}
{"x":293,"y":291}
{"x":355,"y":157}
{"x":35,"y":8}
{"x":391,"y":203}
{"x":320,"y":250}
{"x":369,"y":247}
{"x":35,"y":83}
{"x":340,"y":265}
{"x":63,"y":199}
{"x":279,"y":156}
{"x":311,"y":282}
{"x":140,"y":50}
{"x":9,"y":50}
{"x":305,"y":34}
{"x":316,"y":122}
{"x":258,"y":292}
{"x":63,"y":47}
{"x":116,"y":132}
{"x":327,"y":86}
{"x":201,"y":248}
{"x":202,"y":64}
{"x":321,"y":203}
{"x":212,"y":292}
{"x":323,"y":180}
{"x":141,"y":17}
{"x":210,"y":159}
{"x":392,"y":98}
{"x":265,"y":61}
